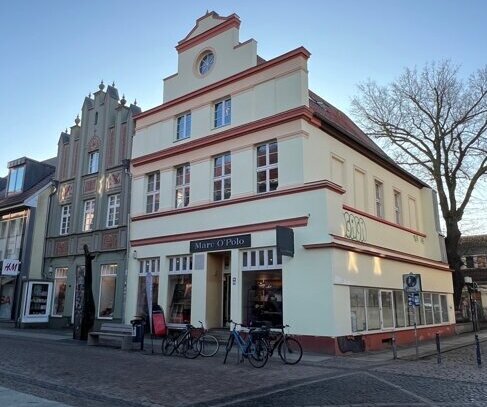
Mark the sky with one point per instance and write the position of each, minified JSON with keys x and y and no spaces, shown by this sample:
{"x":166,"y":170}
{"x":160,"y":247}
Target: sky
{"x":54,"y":52}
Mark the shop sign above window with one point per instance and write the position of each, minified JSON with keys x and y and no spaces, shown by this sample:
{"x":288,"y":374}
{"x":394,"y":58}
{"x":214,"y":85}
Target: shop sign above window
{"x":221,"y":243}
{"x":10,"y":267}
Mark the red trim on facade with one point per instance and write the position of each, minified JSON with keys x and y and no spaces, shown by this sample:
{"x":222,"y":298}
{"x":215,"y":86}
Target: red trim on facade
{"x":231,"y":22}
{"x":375,"y":341}
{"x":234,"y":230}
{"x":298,"y":52}
{"x":386,"y":222}
{"x":340,"y":246}
{"x":294,"y":190}
{"x":297,"y":113}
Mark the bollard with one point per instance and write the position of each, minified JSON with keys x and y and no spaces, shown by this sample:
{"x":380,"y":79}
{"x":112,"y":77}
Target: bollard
{"x":438,"y":350}
{"x":479,"y":357}
{"x":394,"y":346}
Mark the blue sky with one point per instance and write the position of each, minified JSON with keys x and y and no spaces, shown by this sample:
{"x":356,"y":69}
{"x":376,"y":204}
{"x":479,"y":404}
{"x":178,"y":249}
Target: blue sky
{"x":53,"y":52}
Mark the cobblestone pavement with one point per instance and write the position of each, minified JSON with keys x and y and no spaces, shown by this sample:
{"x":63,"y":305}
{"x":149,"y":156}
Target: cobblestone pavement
{"x":72,"y":373}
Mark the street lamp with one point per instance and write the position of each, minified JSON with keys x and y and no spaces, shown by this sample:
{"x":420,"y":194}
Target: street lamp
{"x":472,"y":287}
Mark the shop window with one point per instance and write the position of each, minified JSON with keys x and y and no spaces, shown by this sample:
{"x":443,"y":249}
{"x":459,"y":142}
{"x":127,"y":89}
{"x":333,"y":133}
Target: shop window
{"x":113,"y":211}
{"x":60,"y":285}
{"x":444,"y":308}
{"x":436,"y":309}
{"x":261,"y":259}
{"x":7,"y":289}
{"x":183,"y":177}
{"x":267,"y":167}
{"x":180,"y":289}
{"x":428,"y":308}
{"x":373,"y":309}
{"x":222,"y":177}
{"x":152,"y":196}
{"x":262,"y":298}
{"x":223,"y":113}
{"x":399,"y":311}
{"x":147,"y":265}
{"x":183,"y":126}
{"x":108,"y":282}
{"x":469,"y":262}
{"x":65,"y":219}
{"x":357,"y":309}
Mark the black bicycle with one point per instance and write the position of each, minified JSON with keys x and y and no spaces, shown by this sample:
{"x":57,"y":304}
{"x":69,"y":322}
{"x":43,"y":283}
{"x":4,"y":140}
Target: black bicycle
{"x":288,"y":347}
{"x":184,"y":343}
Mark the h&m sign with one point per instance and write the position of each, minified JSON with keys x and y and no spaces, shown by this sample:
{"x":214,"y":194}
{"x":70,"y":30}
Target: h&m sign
{"x":10,"y":267}
{"x":221,"y":243}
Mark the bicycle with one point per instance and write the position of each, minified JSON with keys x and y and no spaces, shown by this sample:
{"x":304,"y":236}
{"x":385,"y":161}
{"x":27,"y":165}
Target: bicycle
{"x":288,"y":347}
{"x":183,"y":343}
{"x":253,"y":348}
{"x":208,"y":345}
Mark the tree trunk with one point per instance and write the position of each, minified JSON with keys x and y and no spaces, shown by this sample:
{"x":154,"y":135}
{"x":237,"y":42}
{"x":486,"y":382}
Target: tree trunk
{"x":454,"y":260}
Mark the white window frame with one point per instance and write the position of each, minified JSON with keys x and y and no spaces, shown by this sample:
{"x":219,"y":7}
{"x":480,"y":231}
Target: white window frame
{"x":107,"y":271}
{"x":397,"y":206}
{"x":379,"y":198}
{"x":93,"y":162}
{"x":225,"y":175}
{"x":266,"y":258}
{"x":60,"y":274}
{"x":153,"y":193}
{"x":183,"y":189}
{"x":65,"y":220}
{"x":88,"y":215}
{"x":183,"y":126}
{"x":113,"y":210}
{"x":268,"y":167}
{"x":16,"y":179}
{"x":180,"y":264}
{"x":222,"y":112}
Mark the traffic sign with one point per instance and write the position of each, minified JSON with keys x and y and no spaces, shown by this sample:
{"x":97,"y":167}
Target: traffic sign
{"x":411,"y":283}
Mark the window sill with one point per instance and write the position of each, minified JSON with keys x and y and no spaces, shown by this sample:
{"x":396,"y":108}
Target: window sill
{"x":177,"y":140}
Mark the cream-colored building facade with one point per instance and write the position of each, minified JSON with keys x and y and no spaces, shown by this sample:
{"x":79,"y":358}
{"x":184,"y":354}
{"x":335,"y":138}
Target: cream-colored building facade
{"x":239,"y":146}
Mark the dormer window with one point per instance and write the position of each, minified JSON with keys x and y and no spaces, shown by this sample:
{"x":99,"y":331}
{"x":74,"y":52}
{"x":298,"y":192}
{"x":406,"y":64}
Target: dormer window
{"x":16,"y":179}
{"x":206,"y":63}
{"x":93,"y":159}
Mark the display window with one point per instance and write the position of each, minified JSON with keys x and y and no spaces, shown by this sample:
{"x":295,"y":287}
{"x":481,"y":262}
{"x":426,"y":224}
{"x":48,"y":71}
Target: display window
{"x":262,"y":298}
{"x":7,"y":289}
{"x":179,"y":289}
{"x":108,"y":283}
{"x":60,"y":285}
{"x":146,"y":265}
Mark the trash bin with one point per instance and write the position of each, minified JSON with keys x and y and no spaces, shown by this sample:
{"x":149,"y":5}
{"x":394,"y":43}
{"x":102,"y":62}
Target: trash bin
{"x":138,"y":326}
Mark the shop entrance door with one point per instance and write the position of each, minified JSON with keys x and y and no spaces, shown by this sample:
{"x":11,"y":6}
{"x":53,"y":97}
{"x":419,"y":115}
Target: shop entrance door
{"x":227,"y":295}
{"x":386,"y":310}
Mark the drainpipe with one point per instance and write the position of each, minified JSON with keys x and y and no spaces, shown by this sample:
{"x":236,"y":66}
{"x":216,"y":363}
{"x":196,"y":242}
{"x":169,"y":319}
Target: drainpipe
{"x":126,"y":166}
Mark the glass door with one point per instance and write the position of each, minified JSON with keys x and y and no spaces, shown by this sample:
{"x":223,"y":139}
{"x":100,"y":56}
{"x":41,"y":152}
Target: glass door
{"x":386,"y":310}
{"x":227,"y":289}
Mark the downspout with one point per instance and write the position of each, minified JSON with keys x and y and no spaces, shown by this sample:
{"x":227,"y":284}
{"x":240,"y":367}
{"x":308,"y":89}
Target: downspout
{"x":126,"y":166}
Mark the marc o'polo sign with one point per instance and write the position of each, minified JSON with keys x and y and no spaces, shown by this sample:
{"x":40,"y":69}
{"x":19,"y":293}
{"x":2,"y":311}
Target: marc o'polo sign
{"x":220,"y":243}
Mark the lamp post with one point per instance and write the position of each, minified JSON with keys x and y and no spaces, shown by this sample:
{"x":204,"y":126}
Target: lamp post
{"x":471,"y":287}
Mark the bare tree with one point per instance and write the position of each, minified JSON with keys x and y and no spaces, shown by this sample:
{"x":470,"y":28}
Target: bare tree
{"x":435,"y":123}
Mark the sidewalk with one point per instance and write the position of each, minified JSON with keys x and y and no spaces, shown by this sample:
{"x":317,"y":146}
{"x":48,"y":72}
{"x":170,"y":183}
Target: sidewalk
{"x":12,"y":398}
{"x":426,"y":348}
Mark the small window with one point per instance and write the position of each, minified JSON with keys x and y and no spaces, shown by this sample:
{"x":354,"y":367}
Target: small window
{"x":93,"y":159}
{"x":96,"y":118}
{"x":183,"y":126}
{"x":113,"y":211}
{"x":88,"y":215}
{"x":152,"y":196}
{"x":182,"y":185}
{"x":16,"y":179}
{"x":222,"y":177}
{"x":65,"y":219}
{"x":379,"y":199}
{"x":223,"y":113}
{"x":206,"y":63}
{"x":267,"y":171}
{"x":397,"y":207}
{"x":108,"y":282}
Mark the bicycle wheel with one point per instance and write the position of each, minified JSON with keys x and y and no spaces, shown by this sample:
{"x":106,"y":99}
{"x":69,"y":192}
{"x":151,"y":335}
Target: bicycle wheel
{"x":259,"y":353}
{"x":191,"y":348}
{"x":167,"y":346}
{"x":209,"y":345}
{"x":290,"y":351}
{"x":228,"y":347}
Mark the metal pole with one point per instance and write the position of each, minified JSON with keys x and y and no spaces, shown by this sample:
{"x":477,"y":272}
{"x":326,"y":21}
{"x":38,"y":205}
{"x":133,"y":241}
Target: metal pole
{"x":416,"y":331}
{"x":394,"y":346}
{"x":476,"y":324}
{"x":479,"y":356}
{"x":438,"y":351}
